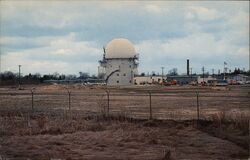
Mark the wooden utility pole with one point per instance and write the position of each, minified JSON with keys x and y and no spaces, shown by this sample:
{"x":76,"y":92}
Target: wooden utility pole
{"x":203,"y":70}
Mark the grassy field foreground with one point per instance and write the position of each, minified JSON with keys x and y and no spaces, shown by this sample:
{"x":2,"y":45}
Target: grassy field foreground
{"x":39,"y":135}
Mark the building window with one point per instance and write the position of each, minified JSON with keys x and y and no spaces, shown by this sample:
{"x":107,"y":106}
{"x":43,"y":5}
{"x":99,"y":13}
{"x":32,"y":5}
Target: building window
{"x":124,"y":74}
{"x":117,"y":74}
{"x":117,"y":81}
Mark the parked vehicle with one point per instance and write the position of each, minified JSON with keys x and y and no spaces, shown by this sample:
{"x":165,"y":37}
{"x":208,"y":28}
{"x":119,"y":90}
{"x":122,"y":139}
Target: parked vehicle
{"x":241,"y":82}
{"x":221,"y":83}
{"x":172,"y":82}
{"x":193,"y":83}
{"x":211,"y":82}
{"x":232,"y":82}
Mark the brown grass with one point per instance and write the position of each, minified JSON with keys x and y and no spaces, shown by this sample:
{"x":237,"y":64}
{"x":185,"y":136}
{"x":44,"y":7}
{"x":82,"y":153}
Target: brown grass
{"x":237,"y":120}
{"x":232,"y":126}
{"x":241,"y":121}
{"x":87,"y":130}
{"x":41,"y":135}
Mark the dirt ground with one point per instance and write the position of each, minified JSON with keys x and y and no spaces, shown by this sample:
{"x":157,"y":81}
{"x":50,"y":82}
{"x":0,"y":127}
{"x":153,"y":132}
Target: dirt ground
{"x":51,"y":131}
{"x":43,"y":136}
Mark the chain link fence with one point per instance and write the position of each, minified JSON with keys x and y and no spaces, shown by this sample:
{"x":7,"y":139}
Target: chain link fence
{"x":176,"y":105}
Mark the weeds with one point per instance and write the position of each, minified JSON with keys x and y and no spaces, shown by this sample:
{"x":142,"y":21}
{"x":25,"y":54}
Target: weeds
{"x":239,"y":120}
{"x":102,"y":104}
{"x":24,"y":123}
{"x":166,"y":154}
{"x":233,"y":126}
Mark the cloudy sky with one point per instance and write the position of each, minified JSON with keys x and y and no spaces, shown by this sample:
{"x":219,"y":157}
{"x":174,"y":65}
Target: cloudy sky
{"x":67,"y":37}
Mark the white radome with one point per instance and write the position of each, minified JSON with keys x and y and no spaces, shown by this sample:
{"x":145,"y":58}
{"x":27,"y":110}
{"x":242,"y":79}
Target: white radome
{"x":120,"y":48}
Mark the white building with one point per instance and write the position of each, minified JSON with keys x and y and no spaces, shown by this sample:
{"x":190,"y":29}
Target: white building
{"x":119,"y":63}
{"x":141,"y":80}
{"x":205,"y":79}
{"x":241,"y":77}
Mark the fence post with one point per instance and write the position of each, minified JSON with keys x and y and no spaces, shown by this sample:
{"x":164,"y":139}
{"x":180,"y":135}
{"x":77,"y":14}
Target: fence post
{"x":198,"y":108}
{"x":150,"y":107}
{"x":107,"y":91}
{"x":69,"y":93}
{"x":69,"y":100}
{"x":32,"y":98}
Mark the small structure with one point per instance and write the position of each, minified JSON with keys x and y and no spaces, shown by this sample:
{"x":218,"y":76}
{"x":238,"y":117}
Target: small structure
{"x":119,"y":63}
{"x":142,"y":80}
{"x":241,"y":77}
{"x":205,"y":80}
{"x":238,"y":79}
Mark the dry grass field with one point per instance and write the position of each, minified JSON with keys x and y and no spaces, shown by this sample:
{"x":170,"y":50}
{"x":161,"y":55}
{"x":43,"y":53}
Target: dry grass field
{"x":90,"y":127}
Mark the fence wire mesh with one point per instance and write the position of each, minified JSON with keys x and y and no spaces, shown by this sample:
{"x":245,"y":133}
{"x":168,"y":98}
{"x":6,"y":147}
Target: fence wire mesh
{"x":175,"y":105}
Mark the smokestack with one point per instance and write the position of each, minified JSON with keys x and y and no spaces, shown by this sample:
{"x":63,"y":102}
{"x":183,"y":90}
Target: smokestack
{"x":188,"y":67}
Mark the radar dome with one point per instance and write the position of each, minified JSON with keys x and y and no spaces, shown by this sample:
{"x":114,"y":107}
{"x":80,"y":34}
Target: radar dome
{"x":120,"y":48}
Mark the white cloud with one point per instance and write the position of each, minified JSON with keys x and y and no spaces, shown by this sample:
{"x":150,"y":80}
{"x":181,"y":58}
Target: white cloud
{"x":19,"y":41}
{"x":11,"y":62}
{"x":152,"y":8}
{"x":166,"y":33}
{"x":189,"y":15}
{"x":200,"y":48}
{"x":239,"y":21}
{"x":61,"y":54}
{"x":40,"y":41}
{"x":202,"y":13}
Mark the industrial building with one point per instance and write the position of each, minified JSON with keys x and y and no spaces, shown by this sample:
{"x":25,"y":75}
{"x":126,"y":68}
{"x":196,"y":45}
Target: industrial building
{"x":182,"y":79}
{"x":167,"y":80}
{"x":189,"y":78}
{"x":120,"y":62}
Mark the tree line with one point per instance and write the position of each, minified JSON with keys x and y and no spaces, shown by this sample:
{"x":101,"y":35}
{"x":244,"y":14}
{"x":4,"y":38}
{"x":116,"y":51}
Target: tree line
{"x":174,"y":72}
{"x":11,"y":78}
